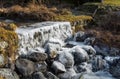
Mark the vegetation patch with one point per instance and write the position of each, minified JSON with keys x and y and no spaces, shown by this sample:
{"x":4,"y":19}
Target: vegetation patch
{"x":76,"y":21}
{"x":9,"y":41}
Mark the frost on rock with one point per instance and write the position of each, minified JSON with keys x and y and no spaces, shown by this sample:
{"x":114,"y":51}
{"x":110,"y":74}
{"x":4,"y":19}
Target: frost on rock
{"x":36,"y":35}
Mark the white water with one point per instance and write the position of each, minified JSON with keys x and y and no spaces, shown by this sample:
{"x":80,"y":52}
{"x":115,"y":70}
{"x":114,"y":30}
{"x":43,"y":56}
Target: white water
{"x":36,"y":35}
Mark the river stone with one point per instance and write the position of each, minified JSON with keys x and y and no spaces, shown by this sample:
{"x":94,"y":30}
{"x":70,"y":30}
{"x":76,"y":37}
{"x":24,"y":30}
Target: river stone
{"x":8,"y":74}
{"x":58,"y":67}
{"x":37,"y":56}
{"x":41,"y":66}
{"x":68,"y":74}
{"x":115,"y":69}
{"x":52,"y":49}
{"x":102,"y":49}
{"x":89,"y":49}
{"x":83,"y":67}
{"x":79,"y":54}
{"x":79,"y":36}
{"x":50,"y":75}
{"x":38,"y":75}
{"x":114,"y":51}
{"x":24,"y":67}
{"x":89,"y":41}
{"x":66,"y":59}
{"x":98,"y":63}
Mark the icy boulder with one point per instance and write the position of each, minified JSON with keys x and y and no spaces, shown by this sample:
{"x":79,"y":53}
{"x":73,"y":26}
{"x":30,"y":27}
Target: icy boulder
{"x":36,"y":35}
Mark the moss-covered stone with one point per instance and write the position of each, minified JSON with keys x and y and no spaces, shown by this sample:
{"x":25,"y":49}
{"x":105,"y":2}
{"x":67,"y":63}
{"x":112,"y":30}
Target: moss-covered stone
{"x":8,"y":43}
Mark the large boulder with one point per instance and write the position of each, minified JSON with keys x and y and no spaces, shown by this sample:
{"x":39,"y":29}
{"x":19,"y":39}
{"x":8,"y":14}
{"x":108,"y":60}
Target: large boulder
{"x":37,"y":56}
{"x":66,"y":59}
{"x":8,"y":74}
{"x":24,"y":67}
{"x":80,"y":55}
{"x":58,"y":67}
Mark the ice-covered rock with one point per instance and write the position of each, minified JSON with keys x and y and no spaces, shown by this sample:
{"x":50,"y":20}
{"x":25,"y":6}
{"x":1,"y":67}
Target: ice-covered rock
{"x":66,"y":59}
{"x":80,"y":55}
{"x":58,"y":67}
{"x":52,"y":46}
{"x":83,"y":67}
{"x":36,"y":35}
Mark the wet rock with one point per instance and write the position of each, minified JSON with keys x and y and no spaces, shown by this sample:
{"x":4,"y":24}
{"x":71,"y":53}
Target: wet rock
{"x":114,"y":52}
{"x":98,"y":63}
{"x":50,"y":75}
{"x":66,"y":59}
{"x":83,"y":67}
{"x":52,"y":49}
{"x":89,"y":49}
{"x":38,"y":75}
{"x":41,"y":66}
{"x":102,"y":50}
{"x":24,"y":67}
{"x":68,"y":74}
{"x":79,"y":54}
{"x":58,"y":67}
{"x":111,"y":59}
{"x":2,"y":60}
{"x":115,"y":69}
{"x":37,"y":56}
{"x":8,"y":74}
{"x":80,"y":36}
{"x":89,"y":41}
{"x":52,"y":46}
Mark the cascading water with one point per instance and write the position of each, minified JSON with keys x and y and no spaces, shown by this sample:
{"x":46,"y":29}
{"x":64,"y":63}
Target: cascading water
{"x":36,"y":35}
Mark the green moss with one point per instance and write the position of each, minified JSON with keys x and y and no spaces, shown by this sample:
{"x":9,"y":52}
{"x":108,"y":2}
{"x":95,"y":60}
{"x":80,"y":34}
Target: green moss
{"x":11,"y":38}
{"x":76,"y":21}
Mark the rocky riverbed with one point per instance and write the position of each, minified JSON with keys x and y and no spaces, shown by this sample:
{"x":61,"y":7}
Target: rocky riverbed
{"x":49,"y":50}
